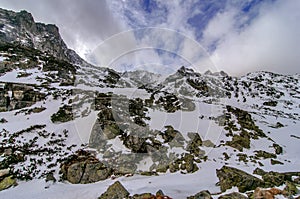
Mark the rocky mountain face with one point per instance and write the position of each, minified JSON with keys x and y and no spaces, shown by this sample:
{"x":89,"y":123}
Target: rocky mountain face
{"x":20,"y":28}
{"x":194,"y":135}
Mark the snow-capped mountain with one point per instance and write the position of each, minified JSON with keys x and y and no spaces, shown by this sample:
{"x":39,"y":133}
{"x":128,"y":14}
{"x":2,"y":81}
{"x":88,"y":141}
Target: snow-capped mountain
{"x":69,"y":128}
{"x":21,"y":29}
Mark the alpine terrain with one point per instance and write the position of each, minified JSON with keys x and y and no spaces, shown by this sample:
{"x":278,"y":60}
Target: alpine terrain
{"x":73,"y":130}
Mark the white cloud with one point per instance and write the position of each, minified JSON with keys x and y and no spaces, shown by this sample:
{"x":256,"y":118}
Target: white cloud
{"x":271,"y":42}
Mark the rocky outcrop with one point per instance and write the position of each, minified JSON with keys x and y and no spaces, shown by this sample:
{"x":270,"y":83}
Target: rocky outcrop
{"x":231,"y":177}
{"x":83,"y":168}
{"x":20,"y":28}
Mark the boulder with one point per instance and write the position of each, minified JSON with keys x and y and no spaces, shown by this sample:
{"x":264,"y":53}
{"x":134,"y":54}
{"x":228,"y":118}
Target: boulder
{"x":7,"y":183}
{"x":231,"y":177}
{"x":143,"y":196}
{"x":4,"y":172}
{"x":234,"y":195}
{"x":115,"y":191}
{"x":201,"y":195}
{"x":83,"y":168}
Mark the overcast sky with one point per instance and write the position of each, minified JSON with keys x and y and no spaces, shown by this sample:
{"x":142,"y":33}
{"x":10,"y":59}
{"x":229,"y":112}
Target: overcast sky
{"x":158,"y":35}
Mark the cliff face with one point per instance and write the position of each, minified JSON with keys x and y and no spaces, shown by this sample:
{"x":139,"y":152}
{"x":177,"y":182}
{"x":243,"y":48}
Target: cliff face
{"x":21,"y":29}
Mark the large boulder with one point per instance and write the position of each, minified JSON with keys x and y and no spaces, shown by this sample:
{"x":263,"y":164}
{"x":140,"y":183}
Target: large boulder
{"x":115,"y":191}
{"x":83,"y":168}
{"x":231,"y":177}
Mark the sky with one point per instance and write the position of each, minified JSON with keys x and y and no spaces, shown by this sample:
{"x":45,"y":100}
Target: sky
{"x":236,"y":36}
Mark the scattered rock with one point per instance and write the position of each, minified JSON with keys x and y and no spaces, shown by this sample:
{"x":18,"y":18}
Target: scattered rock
{"x":115,"y":191}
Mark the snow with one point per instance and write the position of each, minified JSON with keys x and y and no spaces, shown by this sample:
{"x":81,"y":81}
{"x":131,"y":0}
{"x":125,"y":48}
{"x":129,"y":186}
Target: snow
{"x":2,"y":58}
{"x":12,"y":76}
{"x":176,"y":185}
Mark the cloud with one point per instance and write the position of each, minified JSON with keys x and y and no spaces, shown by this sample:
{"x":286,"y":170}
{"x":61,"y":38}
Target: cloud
{"x":270,"y":42}
{"x":240,"y":36}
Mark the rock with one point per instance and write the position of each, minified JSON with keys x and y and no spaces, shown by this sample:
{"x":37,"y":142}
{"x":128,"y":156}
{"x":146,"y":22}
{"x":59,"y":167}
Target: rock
{"x":159,"y":193}
{"x":115,"y":191}
{"x":149,"y":173}
{"x":239,"y":142}
{"x":3,"y":120}
{"x":234,"y":195}
{"x":84,"y":168}
{"x":50,"y":177}
{"x":273,"y":179}
{"x":135,"y":143}
{"x":278,"y":148}
{"x":273,"y":162}
{"x":194,"y":144}
{"x":230,"y":177}
{"x":4,"y":172}
{"x":270,"y":103}
{"x":264,"y":154}
{"x":201,"y":195}
{"x":95,"y":172}
{"x":111,"y":131}
{"x":143,"y":196}
{"x":259,"y":171}
{"x":291,"y":188}
{"x":267,"y":193}
{"x":8,"y":152}
{"x":7,"y":183}
{"x":208,"y":143}
{"x":75,"y":172}
{"x":64,"y":114}
{"x":190,"y":166}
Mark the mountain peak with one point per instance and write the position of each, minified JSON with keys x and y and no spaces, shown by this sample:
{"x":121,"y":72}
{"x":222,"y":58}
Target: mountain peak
{"x":21,"y":29}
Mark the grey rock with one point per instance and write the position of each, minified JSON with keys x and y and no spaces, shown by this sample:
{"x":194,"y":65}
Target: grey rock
{"x":115,"y":191}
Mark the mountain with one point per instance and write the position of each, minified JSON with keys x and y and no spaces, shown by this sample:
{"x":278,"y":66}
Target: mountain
{"x":69,"y":125}
{"x":21,"y":29}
